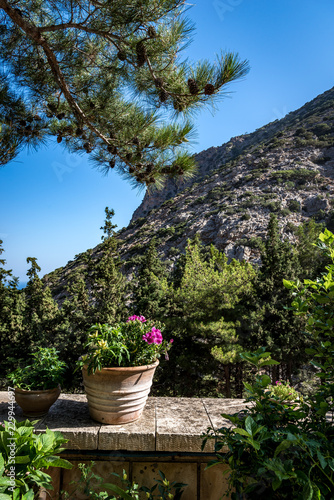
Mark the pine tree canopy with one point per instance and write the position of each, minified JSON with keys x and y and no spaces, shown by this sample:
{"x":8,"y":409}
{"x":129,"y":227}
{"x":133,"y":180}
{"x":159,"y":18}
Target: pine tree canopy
{"x":106,"y":78}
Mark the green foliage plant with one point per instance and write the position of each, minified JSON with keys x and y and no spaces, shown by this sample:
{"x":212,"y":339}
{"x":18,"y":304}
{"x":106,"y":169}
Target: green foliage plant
{"x":45,"y":371}
{"x":275,"y":449}
{"x":24,"y":456}
{"x":89,"y":483}
{"x":136,"y":342}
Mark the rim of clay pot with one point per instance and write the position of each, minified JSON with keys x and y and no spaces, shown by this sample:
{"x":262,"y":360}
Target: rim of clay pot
{"x":36,"y":391}
{"x":127,"y":368}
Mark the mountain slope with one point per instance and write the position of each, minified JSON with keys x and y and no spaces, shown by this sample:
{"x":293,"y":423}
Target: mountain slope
{"x":286,"y":167}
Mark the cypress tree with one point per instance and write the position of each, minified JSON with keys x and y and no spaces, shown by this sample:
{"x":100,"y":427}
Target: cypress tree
{"x":150,"y":291}
{"x":109,"y":286}
{"x":41,"y":318}
{"x":275,"y":326}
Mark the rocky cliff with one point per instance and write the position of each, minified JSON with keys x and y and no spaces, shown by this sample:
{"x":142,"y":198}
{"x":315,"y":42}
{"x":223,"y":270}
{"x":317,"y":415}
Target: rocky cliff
{"x":286,"y":167}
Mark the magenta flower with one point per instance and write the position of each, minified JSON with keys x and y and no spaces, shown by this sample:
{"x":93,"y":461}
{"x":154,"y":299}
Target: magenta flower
{"x":153,"y":337}
{"x":171,"y":341}
{"x":134,"y":318}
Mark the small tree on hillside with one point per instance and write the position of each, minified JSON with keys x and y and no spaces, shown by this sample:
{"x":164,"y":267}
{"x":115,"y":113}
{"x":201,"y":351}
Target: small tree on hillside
{"x":108,"y":283}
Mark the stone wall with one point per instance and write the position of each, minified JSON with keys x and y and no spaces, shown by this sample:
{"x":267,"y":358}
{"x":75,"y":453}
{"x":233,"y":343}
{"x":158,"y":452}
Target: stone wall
{"x":167,"y":437}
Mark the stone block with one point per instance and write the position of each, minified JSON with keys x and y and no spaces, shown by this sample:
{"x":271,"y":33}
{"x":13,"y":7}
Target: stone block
{"x":135,"y":436}
{"x":70,"y":416}
{"x":145,"y":474}
{"x":180,"y":425}
{"x":214,"y":484}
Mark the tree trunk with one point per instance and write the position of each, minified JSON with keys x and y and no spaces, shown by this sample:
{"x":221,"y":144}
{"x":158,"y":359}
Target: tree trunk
{"x":228,"y":381}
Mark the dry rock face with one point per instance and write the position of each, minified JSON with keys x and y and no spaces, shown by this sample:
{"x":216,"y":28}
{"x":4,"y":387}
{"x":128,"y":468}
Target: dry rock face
{"x":286,"y":167}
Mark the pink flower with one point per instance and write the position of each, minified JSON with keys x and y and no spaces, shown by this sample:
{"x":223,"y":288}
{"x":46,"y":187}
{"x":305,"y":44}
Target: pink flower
{"x":153,"y":337}
{"x":142,"y":319}
{"x":171,"y":341}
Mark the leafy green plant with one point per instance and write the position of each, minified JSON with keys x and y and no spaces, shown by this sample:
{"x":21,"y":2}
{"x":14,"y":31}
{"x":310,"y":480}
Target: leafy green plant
{"x":133,"y":343}
{"x":24,"y":456}
{"x":90,"y":482}
{"x":282,"y":390}
{"x":45,"y":372}
{"x":276,"y":449}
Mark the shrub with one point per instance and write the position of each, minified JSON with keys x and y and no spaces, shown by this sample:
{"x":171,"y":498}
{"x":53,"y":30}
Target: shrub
{"x":294,"y":205}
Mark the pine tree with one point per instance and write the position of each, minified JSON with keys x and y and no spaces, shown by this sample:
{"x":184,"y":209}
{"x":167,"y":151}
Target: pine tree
{"x":203,"y":319}
{"x":150,"y":291}
{"x":99,"y":75}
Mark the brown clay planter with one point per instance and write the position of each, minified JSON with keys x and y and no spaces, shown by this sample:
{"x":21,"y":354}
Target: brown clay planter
{"x":36,"y":403}
{"x":118,"y":395}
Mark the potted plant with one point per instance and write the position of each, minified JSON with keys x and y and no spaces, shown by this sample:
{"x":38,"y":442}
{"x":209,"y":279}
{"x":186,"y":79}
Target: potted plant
{"x":118,"y":368}
{"x":37,"y":385}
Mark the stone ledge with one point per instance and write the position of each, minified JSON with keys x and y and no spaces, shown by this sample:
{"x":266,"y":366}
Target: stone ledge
{"x":166,"y":425}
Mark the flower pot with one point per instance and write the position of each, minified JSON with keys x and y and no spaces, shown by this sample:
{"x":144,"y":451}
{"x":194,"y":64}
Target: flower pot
{"x":36,"y":403}
{"x":118,"y":395}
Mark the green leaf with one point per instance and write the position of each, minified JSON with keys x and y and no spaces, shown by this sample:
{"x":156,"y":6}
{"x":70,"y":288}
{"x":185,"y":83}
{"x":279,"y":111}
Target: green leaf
{"x":118,"y":491}
{"x":282,"y":446}
{"x":58,"y":462}
{"x":242,"y":432}
{"x":331,"y":463}
{"x":251,"y":426}
{"x":276,"y":484}
{"x":308,"y":491}
{"x":265,"y":380}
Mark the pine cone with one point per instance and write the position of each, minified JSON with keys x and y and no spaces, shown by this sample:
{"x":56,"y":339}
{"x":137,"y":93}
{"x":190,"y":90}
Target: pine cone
{"x":193,"y":87}
{"x":59,"y":139}
{"x":112,"y":149}
{"x":163,"y":95}
{"x":158,"y":82}
{"x":132,"y":170}
{"x":151,"y":32}
{"x":79,"y":131}
{"x":52,"y":107}
{"x":209,"y":89}
{"x":135,"y":141}
{"x":178,"y":106}
{"x":149,"y":167}
{"x":88,"y":147}
{"x":61,"y":116}
{"x":141,"y":53}
{"x":128,"y":156}
{"x":91,"y":105}
{"x":112,"y":163}
{"x":121,"y":55}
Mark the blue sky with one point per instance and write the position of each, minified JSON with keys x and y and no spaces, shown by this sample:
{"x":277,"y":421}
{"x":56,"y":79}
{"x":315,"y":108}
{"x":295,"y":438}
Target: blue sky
{"x":52,"y":203}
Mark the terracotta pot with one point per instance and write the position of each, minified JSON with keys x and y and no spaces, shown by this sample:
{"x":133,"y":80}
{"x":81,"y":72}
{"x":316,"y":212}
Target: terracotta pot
{"x":36,"y":403}
{"x":118,"y":395}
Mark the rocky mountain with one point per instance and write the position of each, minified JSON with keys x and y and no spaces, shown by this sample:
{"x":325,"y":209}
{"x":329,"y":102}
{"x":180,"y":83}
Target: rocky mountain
{"x":286,"y":167}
